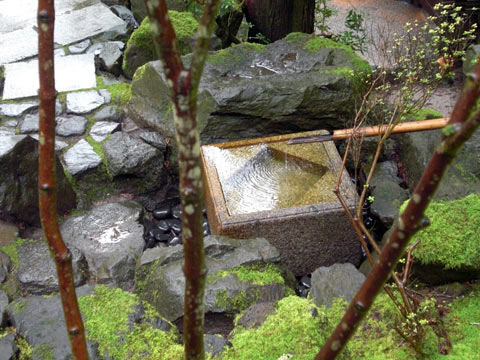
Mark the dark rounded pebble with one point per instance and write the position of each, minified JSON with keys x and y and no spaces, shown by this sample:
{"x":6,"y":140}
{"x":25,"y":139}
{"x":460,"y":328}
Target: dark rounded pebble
{"x":306,"y":281}
{"x":162,"y":237}
{"x":175,"y":225}
{"x":369,"y":222}
{"x":175,"y":241}
{"x":302,"y":291}
{"x":149,"y":242}
{"x":177,"y":211}
{"x":162,"y":212}
{"x":162,"y":225}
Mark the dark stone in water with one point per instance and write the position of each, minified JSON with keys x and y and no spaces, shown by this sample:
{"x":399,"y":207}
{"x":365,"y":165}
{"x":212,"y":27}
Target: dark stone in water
{"x":175,"y":225}
{"x":163,"y":225}
{"x":177,"y":212}
{"x":369,"y":222}
{"x":148,"y":226}
{"x":302,"y":291}
{"x":175,"y":241}
{"x":162,"y":212}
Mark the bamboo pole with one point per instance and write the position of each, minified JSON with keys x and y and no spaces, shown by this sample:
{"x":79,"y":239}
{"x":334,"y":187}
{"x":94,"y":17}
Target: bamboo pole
{"x":404,"y":127}
{"x":47,"y":181}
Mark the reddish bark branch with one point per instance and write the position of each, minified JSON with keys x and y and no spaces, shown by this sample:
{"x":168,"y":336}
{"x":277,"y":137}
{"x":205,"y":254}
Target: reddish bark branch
{"x":47,"y":181}
{"x":410,"y":220}
{"x":183,"y":87}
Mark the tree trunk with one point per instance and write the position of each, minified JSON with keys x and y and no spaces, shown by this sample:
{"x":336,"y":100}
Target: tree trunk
{"x":277,"y":18}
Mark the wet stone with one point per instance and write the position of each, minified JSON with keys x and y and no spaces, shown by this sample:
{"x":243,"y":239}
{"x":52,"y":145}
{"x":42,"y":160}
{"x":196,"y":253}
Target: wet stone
{"x":109,"y":113}
{"x":84,"y":101}
{"x":163,"y":225}
{"x":161,"y":237}
{"x":125,"y":14}
{"x":155,"y":139}
{"x":71,"y":125}
{"x":8,"y":348}
{"x":81,"y":157}
{"x":175,"y":241}
{"x":149,"y":242}
{"x":101,"y":129}
{"x":306,"y":281}
{"x":29,"y":124}
{"x":17,"y":109}
{"x":162,"y":212}
{"x":79,"y":47}
{"x":177,"y":212}
{"x":175,"y":225}
{"x":110,"y":57}
{"x":59,"y":144}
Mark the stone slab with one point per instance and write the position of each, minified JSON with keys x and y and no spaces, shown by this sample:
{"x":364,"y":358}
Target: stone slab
{"x":17,"y":109}
{"x":73,"y":72}
{"x":17,"y":45}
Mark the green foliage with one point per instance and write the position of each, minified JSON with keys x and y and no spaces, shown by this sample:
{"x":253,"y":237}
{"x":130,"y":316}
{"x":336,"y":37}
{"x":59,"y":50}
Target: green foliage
{"x":356,"y":35}
{"x":106,"y":314}
{"x":258,"y":274}
{"x":453,"y":237}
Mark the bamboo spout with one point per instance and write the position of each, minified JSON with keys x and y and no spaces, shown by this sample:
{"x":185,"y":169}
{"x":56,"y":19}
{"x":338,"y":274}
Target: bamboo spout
{"x":410,"y":126}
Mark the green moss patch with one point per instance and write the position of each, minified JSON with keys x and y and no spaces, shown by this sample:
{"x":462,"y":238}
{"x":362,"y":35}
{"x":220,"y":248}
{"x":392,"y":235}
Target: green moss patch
{"x":422,"y":114}
{"x":120,"y":92}
{"x":12,"y":252}
{"x":258,"y":274}
{"x":453,"y":237}
{"x":106,"y":314}
{"x":234,"y":54}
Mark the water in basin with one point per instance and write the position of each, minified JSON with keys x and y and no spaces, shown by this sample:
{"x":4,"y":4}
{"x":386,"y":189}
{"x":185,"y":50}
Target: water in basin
{"x":272,"y":176}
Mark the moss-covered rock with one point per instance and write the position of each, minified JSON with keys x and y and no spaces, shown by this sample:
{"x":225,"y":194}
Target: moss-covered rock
{"x":449,"y":249}
{"x":141,"y":49}
{"x":111,"y":320}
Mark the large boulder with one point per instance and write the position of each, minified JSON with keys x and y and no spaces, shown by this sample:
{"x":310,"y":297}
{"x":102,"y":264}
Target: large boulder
{"x":239,"y":274}
{"x":111,"y":239}
{"x":461,"y":178}
{"x":19,"y":180}
{"x":449,"y":248}
{"x":297,"y":83}
{"x":141,"y":48}
{"x":471,"y":57}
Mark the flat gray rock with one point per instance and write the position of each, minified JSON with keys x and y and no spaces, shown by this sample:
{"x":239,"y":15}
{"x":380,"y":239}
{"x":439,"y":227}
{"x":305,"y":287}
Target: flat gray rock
{"x":71,"y":125}
{"x":155,"y":139}
{"x":101,"y":129}
{"x":5,"y":264}
{"x":106,"y":95}
{"x":17,"y":109}
{"x":110,"y":57}
{"x":111,"y":238}
{"x":17,"y":45}
{"x":11,"y":123}
{"x":8,"y":142}
{"x":338,"y":280}
{"x":109,"y":113}
{"x":6,"y":131}
{"x":41,"y":322}
{"x":80,"y":47}
{"x":37,"y":273}
{"x":8,"y":348}
{"x":81,"y":157}
{"x":74,"y":72}
{"x":128,"y":155}
{"x":83,"y":102}
{"x":59,"y":144}
{"x":29,"y":124}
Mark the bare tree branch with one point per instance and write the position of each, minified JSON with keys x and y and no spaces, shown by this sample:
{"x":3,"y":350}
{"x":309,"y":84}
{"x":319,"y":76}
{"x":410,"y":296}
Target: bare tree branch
{"x":410,"y":221}
{"x":47,"y":181}
{"x":184,"y":87}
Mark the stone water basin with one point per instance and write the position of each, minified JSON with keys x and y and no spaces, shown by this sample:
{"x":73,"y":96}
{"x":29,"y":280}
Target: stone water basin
{"x":266,"y":188}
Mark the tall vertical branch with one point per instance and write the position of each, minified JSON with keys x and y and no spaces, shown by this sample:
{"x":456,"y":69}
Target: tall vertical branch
{"x":464,"y":123}
{"x":47,"y":181}
{"x":183,"y":85}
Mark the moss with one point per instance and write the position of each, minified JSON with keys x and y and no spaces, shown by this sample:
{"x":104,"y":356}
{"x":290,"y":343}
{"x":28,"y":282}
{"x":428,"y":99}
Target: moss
{"x":422,"y":114}
{"x":291,"y":330}
{"x":106,"y":314}
{"x":238,"y":302}
{"x":19,"y":306}
{"x":258,"y":274}
{"x":234,"y":54}
{"x":120,"y":92}
{"x":12,"y":252}
{"x":44,"y":352}
{"x":453,"y":237}
{"x":24,"y":348}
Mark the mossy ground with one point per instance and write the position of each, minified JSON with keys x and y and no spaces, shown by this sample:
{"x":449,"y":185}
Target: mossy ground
{"x":453,"y":238}
{"x":234,"y":54}
{"x":120,"y":92}
{"x":258,"y":274}
{"x":12,"y":252}
{"x":422,"y":114}
{"x":106,"y":314}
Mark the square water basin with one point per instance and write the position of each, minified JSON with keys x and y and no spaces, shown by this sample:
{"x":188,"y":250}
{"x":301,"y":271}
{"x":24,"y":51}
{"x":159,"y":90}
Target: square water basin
{"x":266,"y":188}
